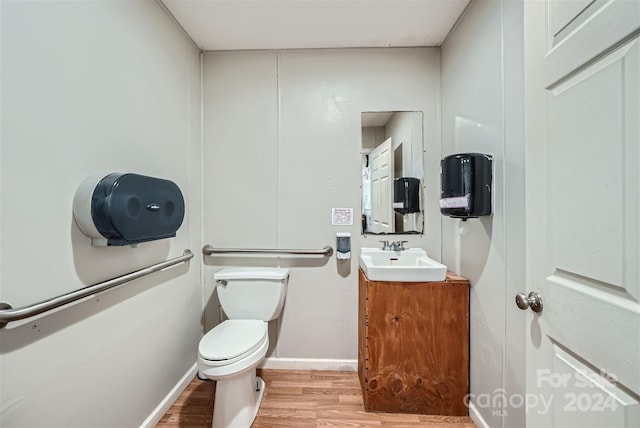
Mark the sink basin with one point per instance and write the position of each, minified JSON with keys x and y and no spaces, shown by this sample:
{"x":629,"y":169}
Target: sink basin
{"x":410,"y":265}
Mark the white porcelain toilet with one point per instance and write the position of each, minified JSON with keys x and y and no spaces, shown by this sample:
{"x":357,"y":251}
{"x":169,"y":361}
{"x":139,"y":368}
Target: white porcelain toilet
{"x":230,"y":352}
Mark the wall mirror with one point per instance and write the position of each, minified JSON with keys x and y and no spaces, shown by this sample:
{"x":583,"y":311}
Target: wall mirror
{"x":392,"y":172}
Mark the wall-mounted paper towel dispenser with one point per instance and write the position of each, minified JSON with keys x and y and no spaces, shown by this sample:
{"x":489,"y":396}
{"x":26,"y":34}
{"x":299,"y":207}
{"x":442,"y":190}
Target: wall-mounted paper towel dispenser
{"x":127,"y":209}
{"x":466,"y":185}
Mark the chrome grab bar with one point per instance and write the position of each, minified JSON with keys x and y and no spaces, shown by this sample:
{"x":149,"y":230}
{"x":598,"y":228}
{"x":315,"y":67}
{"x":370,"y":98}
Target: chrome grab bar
{"x":208,"y":250}
{"x":8,"y":314}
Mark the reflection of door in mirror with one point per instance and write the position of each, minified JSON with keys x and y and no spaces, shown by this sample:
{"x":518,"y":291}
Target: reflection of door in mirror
{"x":391,"y":148}
{"x":382,"y":218}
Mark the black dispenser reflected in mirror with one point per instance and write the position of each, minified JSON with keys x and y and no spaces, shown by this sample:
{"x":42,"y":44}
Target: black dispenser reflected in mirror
{"x":466,"y":185}
{"x":406,"y":195}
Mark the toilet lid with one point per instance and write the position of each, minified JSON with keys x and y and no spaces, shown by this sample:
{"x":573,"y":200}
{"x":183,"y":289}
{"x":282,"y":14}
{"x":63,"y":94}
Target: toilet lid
{"x":232,"y":338}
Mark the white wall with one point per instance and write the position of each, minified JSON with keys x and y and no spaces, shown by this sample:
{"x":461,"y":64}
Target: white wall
{"x":482,"y":111}
{"x":372,"y":136}
{"x":282,"y":138}
{"x":92,"y":87}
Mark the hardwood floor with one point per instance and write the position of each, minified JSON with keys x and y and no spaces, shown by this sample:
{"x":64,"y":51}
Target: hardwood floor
{"x":302,"y":399}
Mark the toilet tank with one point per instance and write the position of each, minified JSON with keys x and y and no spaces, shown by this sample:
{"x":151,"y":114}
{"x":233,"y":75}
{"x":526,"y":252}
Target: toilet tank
{"x":252,"y":293}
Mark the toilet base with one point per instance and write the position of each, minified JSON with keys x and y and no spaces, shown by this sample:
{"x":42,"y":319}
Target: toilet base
{"x":237,"y":400}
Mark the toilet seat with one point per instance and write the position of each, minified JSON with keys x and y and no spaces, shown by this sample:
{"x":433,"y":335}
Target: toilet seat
{"x":231,"y":341}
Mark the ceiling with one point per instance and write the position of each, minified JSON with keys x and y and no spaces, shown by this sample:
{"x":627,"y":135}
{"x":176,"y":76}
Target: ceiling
{"x":308,"y":24}
{"x":376,"y":118}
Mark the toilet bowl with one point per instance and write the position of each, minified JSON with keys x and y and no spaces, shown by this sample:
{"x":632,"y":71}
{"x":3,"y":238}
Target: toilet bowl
{"x":231,"y":351}
{"x":230,"y":354}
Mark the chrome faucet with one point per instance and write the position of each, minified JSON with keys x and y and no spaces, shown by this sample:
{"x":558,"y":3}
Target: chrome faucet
{"x":393,"y":246}
{"x":385,"y":245}
{"x":397,"y":246}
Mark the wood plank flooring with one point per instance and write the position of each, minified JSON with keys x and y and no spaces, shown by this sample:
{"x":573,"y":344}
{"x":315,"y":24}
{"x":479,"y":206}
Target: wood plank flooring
{"x":302,"y":399}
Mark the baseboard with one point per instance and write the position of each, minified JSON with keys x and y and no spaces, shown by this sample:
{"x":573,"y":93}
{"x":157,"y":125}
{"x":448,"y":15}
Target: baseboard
{"x":309,"y":364}
{"x":157,"y":414}
{"x":476,"y":417}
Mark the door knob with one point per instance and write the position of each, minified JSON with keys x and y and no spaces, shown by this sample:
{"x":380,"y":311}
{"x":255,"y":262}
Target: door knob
{"x":533,"y":301}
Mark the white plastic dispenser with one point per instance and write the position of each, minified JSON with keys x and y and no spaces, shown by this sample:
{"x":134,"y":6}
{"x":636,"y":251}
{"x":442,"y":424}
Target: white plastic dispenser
{"x":343,"y":245}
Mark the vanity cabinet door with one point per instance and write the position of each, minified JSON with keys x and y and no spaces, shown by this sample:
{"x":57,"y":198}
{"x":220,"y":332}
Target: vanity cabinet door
{"x":362,"y":331}
{"x":416,"y":346}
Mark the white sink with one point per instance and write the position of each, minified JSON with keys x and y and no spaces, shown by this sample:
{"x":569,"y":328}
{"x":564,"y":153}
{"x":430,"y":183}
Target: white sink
{"x":410,"y":265}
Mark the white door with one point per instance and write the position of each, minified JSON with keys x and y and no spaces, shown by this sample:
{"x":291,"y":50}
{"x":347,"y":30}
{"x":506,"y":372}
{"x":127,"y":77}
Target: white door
{"x":382,"y":188}
{"x":582,"y":62}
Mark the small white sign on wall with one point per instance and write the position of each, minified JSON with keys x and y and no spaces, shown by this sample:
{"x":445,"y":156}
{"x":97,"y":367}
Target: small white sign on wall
{"x":342,"y":216}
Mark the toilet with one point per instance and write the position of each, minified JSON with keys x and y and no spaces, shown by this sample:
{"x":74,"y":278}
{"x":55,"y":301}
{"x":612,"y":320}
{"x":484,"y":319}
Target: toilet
{"x":231,"y":351}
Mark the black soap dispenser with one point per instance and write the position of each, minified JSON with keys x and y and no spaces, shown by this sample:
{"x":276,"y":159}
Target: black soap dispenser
{"x":466,"y":185}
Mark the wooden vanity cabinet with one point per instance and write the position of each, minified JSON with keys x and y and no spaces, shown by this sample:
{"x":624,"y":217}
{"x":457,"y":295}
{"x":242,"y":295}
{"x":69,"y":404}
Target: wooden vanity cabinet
{"x":413,"y":345}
